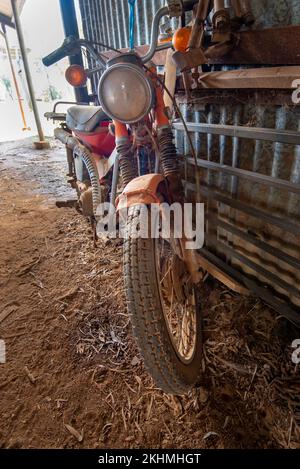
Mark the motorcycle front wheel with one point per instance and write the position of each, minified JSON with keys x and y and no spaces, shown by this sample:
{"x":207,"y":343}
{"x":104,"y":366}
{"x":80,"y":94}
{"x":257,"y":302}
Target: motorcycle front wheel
{"x":164,"y":308}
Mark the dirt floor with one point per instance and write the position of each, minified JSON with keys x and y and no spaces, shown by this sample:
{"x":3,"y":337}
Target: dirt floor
{"x":74,"y":378}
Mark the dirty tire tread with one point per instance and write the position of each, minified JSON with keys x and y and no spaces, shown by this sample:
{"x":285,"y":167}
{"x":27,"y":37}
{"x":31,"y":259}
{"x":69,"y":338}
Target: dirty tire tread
{"x":149,"y":326}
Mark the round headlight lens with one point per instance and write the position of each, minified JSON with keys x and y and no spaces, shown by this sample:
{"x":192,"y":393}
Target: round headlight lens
{"x":126,"y":93}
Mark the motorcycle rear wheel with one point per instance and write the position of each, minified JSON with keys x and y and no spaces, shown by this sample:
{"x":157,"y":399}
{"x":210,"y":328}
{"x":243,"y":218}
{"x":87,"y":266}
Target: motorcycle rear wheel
{"x":164,"y":309}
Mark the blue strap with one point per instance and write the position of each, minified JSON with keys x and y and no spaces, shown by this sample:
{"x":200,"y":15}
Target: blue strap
{"x":131,"y":23}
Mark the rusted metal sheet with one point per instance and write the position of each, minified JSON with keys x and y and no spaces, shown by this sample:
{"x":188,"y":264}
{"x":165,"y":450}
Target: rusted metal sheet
{"x":272,"y":46}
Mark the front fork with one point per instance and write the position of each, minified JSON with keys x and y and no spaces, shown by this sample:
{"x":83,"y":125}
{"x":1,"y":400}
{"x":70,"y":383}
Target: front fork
{"x":170,"y":170}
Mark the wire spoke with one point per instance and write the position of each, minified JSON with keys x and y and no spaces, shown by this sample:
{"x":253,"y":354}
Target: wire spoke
{"x":178,"y":300}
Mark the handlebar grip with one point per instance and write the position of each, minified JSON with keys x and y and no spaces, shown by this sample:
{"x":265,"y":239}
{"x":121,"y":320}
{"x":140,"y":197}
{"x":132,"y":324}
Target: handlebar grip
{"x":55,"y":56}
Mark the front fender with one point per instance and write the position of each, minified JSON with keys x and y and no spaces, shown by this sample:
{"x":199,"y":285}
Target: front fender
{"x":142,"y":190}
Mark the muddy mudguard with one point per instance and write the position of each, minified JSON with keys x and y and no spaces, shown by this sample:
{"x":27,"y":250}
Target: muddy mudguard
{"x":143,"y":190}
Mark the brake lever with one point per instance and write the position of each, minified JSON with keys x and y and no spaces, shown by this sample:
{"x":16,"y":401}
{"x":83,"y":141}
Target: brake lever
{"x":73,"y":46}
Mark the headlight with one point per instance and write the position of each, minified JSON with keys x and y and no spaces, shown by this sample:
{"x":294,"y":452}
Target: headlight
{"x":126,"y":93}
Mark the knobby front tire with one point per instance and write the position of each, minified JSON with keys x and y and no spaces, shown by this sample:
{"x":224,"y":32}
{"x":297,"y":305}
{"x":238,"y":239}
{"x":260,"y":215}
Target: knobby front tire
{"x":169,"y":370}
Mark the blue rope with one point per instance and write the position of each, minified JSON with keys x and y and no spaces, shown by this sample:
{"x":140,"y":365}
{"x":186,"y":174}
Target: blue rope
{"x":131,"y":23}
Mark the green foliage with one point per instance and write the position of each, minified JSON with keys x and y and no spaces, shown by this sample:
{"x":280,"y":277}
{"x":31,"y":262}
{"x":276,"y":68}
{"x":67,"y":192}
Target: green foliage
{"x":8,"y":86}
{"x":51,"y":94}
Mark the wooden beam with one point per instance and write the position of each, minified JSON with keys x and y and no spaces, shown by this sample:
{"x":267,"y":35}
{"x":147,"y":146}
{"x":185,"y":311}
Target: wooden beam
{"x":222,"y":276}
{"x":259,"y":78}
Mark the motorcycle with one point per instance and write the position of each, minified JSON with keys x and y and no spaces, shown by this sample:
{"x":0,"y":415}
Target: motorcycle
{"x":131,"y":134}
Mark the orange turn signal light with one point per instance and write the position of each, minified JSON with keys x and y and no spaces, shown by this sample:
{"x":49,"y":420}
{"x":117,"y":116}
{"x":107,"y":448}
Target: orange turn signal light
{"x":76,"y":76}
{"x":181,"y":39}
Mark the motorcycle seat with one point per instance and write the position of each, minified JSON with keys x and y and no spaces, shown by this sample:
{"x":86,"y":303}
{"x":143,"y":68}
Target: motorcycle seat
{"x":85,"y":118}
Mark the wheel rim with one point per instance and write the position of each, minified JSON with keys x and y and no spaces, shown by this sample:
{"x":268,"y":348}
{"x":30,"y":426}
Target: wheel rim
{"x":178,"y":300}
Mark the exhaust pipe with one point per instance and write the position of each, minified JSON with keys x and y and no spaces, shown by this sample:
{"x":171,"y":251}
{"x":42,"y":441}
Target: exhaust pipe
{"x":66,"y":138}
{"x":75,"y":147}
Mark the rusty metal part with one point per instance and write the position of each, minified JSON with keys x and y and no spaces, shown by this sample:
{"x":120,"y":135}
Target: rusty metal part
{"x":66,"y":203}
{"x":243,"y":11}
{"x":198,"y":26}
{"x":86,"y":199}
{"x":219,"y":5}
{"x":273,"y":46}
{"x":175,"y":8}
{"x":88,"y":160}
{"x":86,"y":202}
{"x":221,"y":18}
{"x":70,"y":159}
{"x":191,"y":59}
{"x":221,"y":37}
{"x":226,"y":43}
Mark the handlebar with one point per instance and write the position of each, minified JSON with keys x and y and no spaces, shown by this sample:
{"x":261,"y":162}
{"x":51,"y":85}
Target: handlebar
{"x":72,"y":45}
{"x":187,"y":5}
{"x":55,"y":56}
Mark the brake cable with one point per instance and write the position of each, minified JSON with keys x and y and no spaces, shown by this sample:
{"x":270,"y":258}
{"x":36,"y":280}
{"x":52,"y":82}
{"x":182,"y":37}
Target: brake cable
{"x":105,"y":46}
